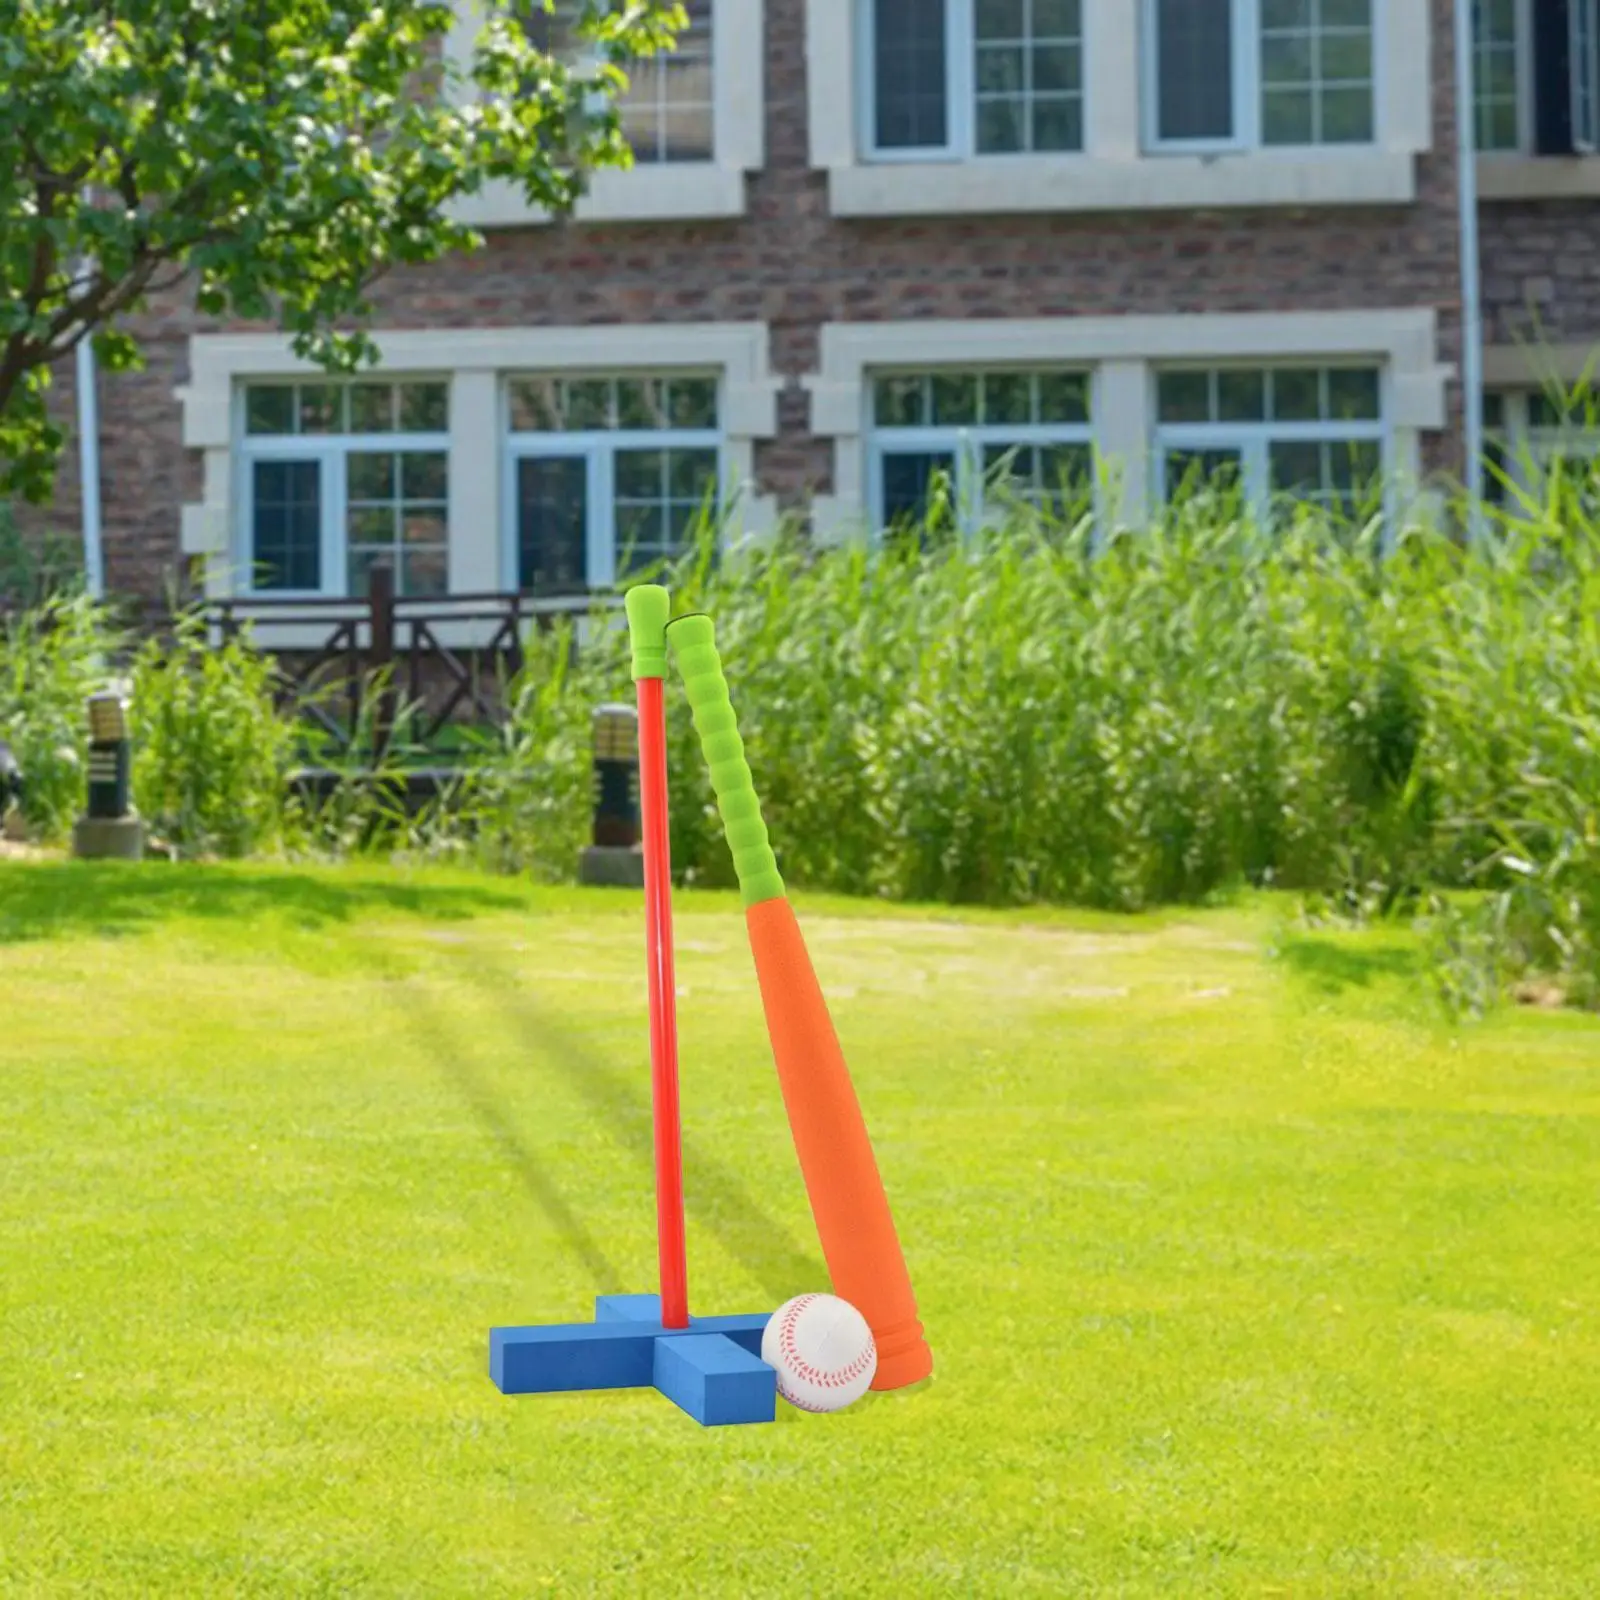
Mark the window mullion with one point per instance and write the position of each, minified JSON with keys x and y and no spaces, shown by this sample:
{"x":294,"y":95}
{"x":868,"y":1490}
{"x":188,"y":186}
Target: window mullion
{"x":601,"y":522}
{"x":333,"y":486}
{"x":961,"y":77}
{"x":1247,"y":73}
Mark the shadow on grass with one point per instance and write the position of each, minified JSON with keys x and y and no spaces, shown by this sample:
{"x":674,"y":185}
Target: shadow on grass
{"x":47,"y":899}
{"x":714,"y":1196}
{"x":441,"y":1039}
{"x":1331,"y":966}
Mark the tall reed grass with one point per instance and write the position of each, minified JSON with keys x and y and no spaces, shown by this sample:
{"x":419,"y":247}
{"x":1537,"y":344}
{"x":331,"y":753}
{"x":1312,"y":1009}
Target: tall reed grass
{"x":1026,"y":715}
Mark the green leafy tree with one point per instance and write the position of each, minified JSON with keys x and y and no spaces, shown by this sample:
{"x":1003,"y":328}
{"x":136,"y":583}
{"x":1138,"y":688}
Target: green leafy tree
{"x":280,"y":154}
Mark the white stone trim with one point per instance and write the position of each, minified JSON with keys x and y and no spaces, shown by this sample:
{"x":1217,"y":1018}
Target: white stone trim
{"x":658,"y":191}
{"x":1519,"y":177}
{"x":1112,"y":173}
{"x":1121,"y":350}
{"x":476,"y":361}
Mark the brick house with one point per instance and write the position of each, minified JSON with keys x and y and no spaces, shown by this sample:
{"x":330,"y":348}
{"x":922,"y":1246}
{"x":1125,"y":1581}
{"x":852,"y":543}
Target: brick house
{"x":869,"y":238}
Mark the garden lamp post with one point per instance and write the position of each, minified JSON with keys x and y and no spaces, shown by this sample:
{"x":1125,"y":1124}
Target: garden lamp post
{"x":109,"y":827}
{"x":614,"y":857}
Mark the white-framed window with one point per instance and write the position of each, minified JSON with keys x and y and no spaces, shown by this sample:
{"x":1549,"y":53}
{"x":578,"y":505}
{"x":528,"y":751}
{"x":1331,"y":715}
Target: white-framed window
{"x":668,"y":111}
{"x":1249,"y":74}
{"x":962,"y":78}
{"x":607,"y":473}
{"x":1303,"y":433}
{"x":1527,"y":431}
{"x":1536,"y":70}
{"x":993,"y":434}
{"x":339,"y":476}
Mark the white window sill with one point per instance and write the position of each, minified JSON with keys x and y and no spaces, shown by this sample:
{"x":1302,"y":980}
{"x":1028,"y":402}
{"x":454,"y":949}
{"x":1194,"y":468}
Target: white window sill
{"x":1016,"y":184}
{"x":660,"y":192}
{"x":1516,"y":177}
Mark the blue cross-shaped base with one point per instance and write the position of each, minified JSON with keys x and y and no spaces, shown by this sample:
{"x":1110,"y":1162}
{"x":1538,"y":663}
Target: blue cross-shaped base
{"x":713,"y":1369}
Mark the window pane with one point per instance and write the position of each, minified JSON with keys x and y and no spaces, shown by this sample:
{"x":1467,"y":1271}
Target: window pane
{"x":901,"y":402}
{"x":692,"y":402}
{"x":1297,"y":394}
{"x":269,"y":410}
{"x":1028,"y":74}
{"x":535,"y":405}
{"x":358,"y":568}
{"x":588,"y":404}
{"x":909,"y":63}
{"x":666,"y":110}
{"x":369,"y":475}
{"x":286,"y":525}
{"x":371,"y":408}
{"x":641,"y":404}
{"x":424,"y":525}
{"x":691,"y":475}
{"x":1194,"y":69}
{"x":321,"y":408}
{"x":425,"y":407}
{"x":425,"y":475}
{"x":1241,"y":395}
{"x":1353,"y":394}
{"x":370,"y":525}
{"x":1063,"y":397}
{"x":907,"y":478}
{"x":1184,"y":397}
{"x":1298,"y":468}
{"x":955,"y":398}
{"x":640,"y":474}
{"x":424,"y":570}
{"x":552,"y":524}
{"x":1007,"y":397}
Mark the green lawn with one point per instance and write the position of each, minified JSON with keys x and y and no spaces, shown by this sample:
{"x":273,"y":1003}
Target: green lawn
{"x":1244,"y":1275}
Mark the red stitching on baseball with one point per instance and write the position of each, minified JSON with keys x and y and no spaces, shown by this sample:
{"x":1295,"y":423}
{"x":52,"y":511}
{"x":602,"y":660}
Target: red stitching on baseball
{"x":838,"y":1378}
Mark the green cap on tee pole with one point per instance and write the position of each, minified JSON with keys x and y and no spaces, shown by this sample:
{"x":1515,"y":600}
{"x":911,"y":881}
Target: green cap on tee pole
{"x":649,"y":606}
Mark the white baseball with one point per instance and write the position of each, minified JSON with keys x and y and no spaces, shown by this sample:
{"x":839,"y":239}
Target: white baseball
{"x":822,"y":1350}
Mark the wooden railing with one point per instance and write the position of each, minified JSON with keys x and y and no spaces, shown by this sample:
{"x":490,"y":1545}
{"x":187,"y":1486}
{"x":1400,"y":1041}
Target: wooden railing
{"x":389,"y":649}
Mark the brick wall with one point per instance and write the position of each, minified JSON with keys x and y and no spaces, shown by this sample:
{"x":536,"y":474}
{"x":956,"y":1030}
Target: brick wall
{"x":1541,"y":272}
{"x":789,"y":263}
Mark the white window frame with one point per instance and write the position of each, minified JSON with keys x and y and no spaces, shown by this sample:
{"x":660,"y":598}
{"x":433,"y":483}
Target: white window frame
{"x":598,"y":448}
{"x":1121,"y":352}
{"x":475,"y":360}
{"x":1526,"y":446}
{"x":1115,"y":172}
{"x":1253,"y":441}
{"x":1583,"y":53}
{"x":966,"y":442}
{"x":331,"y":452}
{"x":960,"y":89}
{"x":653,"y":191}
{"x":1523,"y":47}
{"x":1246,"y":136}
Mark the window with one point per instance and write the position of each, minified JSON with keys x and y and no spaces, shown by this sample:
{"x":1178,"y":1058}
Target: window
{"x":974,"y":77}
{"x":608,"y":474}
{"x":1306,"y":433}
{"x":1526,"y":433}
{"x":1239,"y":74}
{"x":341,"y":476}
{"x":997,"y":434}
{"x":667,"y":110}
{"x":1537,"y":76}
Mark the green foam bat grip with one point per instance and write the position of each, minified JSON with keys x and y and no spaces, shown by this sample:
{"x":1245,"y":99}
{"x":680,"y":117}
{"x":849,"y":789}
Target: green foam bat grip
{"x":648,"y":606}
{"x":694,"y":648}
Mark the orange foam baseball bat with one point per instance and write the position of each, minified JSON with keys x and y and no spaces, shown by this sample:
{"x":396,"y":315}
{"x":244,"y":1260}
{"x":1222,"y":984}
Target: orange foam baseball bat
{"x":848,"y":1202}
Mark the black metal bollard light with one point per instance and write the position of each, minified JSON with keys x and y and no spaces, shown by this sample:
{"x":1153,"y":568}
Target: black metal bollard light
{"x":615,"y":857}
{"x":109,"y":762}
{"x":109,"y":827}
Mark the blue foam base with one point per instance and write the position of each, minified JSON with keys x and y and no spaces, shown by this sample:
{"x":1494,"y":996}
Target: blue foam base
{"x":713,"y":1369}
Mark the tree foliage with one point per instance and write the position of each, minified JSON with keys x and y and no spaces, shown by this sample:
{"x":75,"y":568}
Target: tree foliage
{"x":280,"y":154}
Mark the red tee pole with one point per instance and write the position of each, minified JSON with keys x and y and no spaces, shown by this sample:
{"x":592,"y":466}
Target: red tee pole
{"x":648,"y":608}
